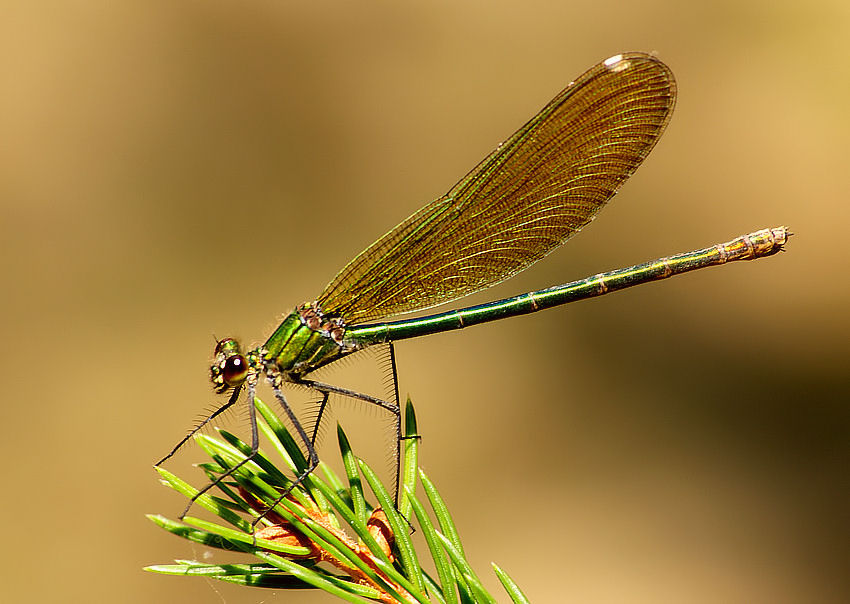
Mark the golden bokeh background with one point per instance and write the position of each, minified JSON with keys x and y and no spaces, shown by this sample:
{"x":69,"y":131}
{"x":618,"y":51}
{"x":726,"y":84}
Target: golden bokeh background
{"x":173,"y":170}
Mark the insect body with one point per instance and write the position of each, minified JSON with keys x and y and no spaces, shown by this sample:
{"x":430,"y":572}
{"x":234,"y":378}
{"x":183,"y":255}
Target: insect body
{"x":525,"y":199}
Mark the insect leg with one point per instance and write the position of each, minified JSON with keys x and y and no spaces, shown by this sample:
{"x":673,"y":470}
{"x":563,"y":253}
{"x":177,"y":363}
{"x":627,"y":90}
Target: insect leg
{"x":390,"y":406}
{"x":255,"y":446}
{"x":233,"y":398}
{"x":313,"y":458}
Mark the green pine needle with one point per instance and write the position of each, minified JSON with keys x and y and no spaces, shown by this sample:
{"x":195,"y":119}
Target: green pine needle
{"x":326,"y":534}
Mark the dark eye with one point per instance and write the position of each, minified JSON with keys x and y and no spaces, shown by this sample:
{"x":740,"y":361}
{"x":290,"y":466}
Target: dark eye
{"x":235,"y":370}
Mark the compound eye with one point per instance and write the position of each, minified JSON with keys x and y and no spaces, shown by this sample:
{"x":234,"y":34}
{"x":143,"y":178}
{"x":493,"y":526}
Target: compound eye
{"x":226,"y":346}
{"x":235,"y":370}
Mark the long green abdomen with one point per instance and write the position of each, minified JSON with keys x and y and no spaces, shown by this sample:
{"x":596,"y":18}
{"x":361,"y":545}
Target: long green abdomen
{"x":747,"y":247}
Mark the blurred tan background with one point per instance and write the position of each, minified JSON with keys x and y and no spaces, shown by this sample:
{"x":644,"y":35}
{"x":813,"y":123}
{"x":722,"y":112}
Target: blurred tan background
{"x":169,"y":171}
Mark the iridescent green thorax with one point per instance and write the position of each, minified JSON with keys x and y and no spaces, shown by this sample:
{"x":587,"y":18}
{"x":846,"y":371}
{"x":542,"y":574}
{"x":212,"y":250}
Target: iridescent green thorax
{"x":306,"y":340}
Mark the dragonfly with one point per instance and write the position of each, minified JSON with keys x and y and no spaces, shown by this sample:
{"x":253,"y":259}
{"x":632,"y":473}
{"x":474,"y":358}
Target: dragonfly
{"x":525,"y":199}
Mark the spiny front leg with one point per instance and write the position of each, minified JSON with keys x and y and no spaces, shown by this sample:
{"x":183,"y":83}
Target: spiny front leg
{"x":230,"y":402}
{"x":255,"y":445}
